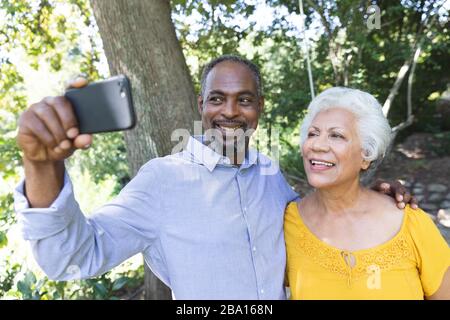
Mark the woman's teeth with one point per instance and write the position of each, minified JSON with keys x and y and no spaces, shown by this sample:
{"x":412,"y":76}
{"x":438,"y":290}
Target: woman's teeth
{"x":323,"y":163}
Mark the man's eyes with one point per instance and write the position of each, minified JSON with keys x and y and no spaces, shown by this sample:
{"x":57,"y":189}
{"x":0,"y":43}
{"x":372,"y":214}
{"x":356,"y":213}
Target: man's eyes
{"x":246,"y":102}
{"x":216,"y":99}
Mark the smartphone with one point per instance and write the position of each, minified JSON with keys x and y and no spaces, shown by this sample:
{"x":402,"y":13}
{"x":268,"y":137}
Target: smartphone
{"x":103,"y":106}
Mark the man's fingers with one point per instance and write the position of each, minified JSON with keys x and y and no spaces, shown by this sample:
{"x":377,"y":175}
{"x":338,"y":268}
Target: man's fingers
{"x":78,"y":82}
{"x":64,"y":110}
{"x":397,"y":189}
{"x":72,"y":132}
{"x":401,"y":205}
{"x":83,"y":141}
{"x":407,"y":197}
{"x":414,"y":203}
{"x":65,"y":144}
{"x":38,"y":129}
{"x":385,"y":187}
{"x":49,"y":118}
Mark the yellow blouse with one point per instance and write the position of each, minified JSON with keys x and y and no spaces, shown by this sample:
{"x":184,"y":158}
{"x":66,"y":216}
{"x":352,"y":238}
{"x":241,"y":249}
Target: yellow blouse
{"x":410,"y":265}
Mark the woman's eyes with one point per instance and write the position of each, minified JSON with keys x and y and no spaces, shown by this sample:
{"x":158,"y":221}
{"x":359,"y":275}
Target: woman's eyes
{"x":337,"y":135}
{"x":332,"y":135}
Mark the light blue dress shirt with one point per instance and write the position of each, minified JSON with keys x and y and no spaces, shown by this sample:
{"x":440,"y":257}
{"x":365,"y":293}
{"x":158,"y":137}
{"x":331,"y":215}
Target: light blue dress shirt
{"x":207,"y":229}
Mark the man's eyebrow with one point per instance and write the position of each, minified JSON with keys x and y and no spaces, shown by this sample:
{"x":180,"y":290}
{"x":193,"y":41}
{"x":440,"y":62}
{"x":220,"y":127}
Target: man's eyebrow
{"x":240,"y":93}
{"x":247,"y":92}
{"x":216,"y":92}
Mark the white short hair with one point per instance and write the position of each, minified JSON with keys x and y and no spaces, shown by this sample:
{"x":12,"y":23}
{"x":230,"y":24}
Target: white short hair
{"x":373,"y":127}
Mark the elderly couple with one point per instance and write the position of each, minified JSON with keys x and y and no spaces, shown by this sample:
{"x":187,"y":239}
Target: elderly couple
{"x":211,"y":228}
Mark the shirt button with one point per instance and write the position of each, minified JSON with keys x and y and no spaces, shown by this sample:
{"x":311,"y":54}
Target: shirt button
{"x":262,"y":291}
{"x":254,"y":249}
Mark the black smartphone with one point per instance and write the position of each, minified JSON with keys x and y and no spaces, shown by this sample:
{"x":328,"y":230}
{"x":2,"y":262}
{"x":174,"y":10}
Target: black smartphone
{"x":103,"y":106}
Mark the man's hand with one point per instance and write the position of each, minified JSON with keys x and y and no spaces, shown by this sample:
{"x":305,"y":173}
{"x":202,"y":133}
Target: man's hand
{"x":48,"y":133}
{"x":48,"y":130}
{"x":397,"y":191}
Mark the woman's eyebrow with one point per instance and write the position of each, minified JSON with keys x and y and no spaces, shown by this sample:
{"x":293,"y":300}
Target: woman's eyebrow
{"x":329,"y":129}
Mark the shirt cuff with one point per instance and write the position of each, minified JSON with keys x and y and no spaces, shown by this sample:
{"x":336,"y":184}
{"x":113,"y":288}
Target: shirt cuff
{"x":40,"y":223}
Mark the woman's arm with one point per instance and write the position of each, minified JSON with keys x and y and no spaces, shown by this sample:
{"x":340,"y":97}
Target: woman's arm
{"x":443,"y":293}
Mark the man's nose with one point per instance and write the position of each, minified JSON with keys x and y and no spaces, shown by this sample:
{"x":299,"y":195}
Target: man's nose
{"x":230,"y":109}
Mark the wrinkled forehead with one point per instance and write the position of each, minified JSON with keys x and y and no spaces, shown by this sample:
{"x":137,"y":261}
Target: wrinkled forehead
{"x":231,"y":78}
{"x":335,"y":117}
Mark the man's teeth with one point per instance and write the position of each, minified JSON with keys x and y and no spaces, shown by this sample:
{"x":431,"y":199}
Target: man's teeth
{"x":328,"y":164}
{"x":230,"y":128}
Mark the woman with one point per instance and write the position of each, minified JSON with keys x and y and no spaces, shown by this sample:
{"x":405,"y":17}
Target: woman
{"x":345,"y":241}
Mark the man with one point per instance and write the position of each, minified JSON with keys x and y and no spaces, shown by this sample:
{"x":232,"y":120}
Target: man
{"x":209,"y":227}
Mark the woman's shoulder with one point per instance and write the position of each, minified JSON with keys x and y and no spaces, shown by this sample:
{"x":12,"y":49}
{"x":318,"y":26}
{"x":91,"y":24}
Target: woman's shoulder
{"x":385,"y":208}
{"x":291,"y":211}
{"x":413,"y":218}
{"x":419,"y":221}
{"x":300,"y":205}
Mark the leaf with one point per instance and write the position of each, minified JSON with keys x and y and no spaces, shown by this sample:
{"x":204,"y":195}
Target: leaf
{"x":101,"y":289}
{"x":119,"y":283}
{"x":3,"y":239}
{"x":24,"y":289}
{"x":30,"y":278}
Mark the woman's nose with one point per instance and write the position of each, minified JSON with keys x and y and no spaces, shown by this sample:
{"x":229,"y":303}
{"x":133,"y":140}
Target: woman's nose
{"x":320,"y":143}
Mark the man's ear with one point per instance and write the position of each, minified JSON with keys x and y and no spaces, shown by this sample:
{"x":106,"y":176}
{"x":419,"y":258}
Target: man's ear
{"x":261,"y":104}
{"x":200,"y":104}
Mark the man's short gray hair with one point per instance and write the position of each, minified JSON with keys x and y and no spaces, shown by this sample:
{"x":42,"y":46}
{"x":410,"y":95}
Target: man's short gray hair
{"x":373,"y":127}
{"x":232,"y":58}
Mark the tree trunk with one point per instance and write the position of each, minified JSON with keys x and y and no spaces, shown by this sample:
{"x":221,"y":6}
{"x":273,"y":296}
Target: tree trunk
{"x":139,"y":41}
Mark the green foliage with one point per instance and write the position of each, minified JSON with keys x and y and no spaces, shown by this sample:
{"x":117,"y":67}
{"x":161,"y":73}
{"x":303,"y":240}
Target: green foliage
{"x":61,"y":37}
{"x":48,"y":36}
{"x":106,"y":287}
{"x":344,"y":51}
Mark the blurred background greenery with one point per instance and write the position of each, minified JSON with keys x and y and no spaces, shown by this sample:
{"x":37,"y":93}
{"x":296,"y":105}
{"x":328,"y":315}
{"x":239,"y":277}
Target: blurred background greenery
{"x":43,"y":43}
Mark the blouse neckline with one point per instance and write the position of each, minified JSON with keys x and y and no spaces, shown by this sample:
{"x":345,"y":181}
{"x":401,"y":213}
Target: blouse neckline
{"x":355,"y":252}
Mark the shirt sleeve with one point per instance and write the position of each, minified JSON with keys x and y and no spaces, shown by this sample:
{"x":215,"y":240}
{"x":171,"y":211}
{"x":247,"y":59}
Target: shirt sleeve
{"x":432,"y":251}
{"x":287,"y":190}
{"x":67,"y":245}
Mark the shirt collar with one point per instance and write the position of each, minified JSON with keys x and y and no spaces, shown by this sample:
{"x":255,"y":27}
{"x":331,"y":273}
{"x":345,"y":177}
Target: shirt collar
{"x":210,"y":159}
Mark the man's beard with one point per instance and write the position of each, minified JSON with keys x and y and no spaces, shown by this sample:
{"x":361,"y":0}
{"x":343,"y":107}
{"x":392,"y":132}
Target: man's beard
{"x":234,"y":146}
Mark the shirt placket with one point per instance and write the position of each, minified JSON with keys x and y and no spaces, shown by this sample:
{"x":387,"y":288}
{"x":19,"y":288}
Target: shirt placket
{"x":242,"y":186}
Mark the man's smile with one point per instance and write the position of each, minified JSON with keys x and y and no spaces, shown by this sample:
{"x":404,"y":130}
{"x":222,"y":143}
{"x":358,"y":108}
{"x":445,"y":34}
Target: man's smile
{"x":229,"y":127}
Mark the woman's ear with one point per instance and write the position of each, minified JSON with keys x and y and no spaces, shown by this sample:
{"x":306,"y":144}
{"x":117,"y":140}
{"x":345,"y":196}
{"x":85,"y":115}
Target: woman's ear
{"x":365,"y":164}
